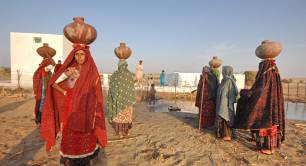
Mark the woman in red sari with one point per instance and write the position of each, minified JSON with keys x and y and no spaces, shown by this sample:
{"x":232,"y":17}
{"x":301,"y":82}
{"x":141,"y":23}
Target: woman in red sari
{"x":41,"y":78}
{"x":75,"y":94}
{"x":57,"y":66}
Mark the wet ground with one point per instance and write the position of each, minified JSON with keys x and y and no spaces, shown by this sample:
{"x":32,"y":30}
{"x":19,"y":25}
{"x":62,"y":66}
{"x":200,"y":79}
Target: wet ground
{"x":294,"y":111}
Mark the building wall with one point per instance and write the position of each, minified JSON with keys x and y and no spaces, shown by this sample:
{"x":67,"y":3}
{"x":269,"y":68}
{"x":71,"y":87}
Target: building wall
{"x":192,"y":79}
{"x":183,"y":79}
{"x":67,"y":47}
{"x":25,"y":58}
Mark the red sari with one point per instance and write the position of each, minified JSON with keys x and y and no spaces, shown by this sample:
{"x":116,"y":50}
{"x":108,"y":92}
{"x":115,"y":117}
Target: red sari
{"x":38,"y":77}
{"x":57,"y":66}
{"x":81,"y":111}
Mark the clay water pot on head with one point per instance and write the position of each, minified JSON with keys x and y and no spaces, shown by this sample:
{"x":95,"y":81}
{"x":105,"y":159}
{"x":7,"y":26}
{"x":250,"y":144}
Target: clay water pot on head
{"x":78,"y":32}
{"x":123,"y":52}
{"x":46,"y":51}
{"x":268,"y":49}
{"x":215,"y":62}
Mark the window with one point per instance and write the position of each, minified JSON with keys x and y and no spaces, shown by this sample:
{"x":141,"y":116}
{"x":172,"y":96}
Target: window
{"x":37,"y":39}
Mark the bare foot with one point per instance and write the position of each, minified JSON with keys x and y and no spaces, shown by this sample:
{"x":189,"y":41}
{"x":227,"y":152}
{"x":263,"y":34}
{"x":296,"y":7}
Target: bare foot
{"x":227,"y":138}
{"x":268,"y":152}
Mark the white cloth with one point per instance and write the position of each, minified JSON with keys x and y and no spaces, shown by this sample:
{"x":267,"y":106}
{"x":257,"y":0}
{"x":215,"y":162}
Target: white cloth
{"x":49,"y":68}
{"x":61,"y":78}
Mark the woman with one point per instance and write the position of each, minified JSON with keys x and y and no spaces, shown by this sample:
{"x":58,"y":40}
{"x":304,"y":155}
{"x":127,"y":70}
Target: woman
{"x":152,"y":94}
{"x":139,"y":72}
{"x":206,"y":97}
{"x":120,"y":99}
{"x":226,"y":97}
{"x":57,"y":66}
{"x":82,"y":122}
{"x":162,"y":78}
{"x":41,"y":78}
{"x":261,"y":108}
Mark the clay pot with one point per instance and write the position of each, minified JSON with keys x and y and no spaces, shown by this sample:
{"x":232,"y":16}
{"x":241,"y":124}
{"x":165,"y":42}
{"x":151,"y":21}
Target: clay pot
{"x":123,"y":52}
{"x":215,"y":62}
{"x":78,"y":32}
{"x":268,"y":49}
{"x":45,"y":50}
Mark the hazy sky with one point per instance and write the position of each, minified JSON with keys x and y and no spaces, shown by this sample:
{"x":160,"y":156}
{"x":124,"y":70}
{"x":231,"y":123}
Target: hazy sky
{"x":175,"y":35}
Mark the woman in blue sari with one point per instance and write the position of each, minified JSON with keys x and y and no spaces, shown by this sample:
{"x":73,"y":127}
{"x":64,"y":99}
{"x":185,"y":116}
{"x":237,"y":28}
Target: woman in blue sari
{"x":162,"y":78}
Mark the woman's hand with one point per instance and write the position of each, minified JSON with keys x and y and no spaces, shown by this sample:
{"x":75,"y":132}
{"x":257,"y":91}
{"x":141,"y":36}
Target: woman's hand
{"x":59,"y":134}
{"x":69,"y":71}
{"x":57,"y":87}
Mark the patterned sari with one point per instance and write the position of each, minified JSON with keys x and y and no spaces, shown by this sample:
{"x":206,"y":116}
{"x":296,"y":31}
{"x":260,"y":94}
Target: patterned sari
{"x":120,"y":99}
{"x":261,"y":109}
{"x":206,"y":97}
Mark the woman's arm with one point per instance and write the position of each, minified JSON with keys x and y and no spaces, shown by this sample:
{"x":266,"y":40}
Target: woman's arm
{"x":57,"y":87}
{"x":60,"y":79}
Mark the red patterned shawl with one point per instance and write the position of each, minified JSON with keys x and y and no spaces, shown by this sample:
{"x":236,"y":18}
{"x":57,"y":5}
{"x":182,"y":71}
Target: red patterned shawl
{"x":263,"y":105}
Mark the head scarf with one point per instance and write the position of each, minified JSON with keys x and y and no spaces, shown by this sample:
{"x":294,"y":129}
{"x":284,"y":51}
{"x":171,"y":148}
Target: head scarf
{"x":216,"y":72}
{"x":228,"y":72}
{"x":226,"y":96}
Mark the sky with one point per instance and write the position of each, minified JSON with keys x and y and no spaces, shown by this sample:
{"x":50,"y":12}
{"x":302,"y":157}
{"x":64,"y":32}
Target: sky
{"x":174,"y":35}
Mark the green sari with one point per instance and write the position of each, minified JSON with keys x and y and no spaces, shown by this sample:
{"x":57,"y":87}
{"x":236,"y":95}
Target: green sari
{"x":121,"y":91}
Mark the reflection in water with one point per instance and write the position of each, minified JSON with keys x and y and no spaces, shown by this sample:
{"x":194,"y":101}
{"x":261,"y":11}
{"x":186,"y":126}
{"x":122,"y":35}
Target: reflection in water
{"x":293,"y":111}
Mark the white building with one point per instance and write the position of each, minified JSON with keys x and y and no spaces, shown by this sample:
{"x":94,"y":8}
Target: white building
{"x":187,"y":82}
{"x":25,"y":58}
{"x":183,"y":79}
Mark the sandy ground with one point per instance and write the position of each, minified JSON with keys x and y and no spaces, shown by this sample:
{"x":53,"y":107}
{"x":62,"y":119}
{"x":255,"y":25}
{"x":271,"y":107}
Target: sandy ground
{"x":157,"y":138}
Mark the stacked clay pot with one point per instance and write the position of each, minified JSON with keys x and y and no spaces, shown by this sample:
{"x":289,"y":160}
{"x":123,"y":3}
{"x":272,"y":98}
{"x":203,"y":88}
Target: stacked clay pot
{"x":215,"y":62}
{"x":78,"y":32}
{"x":123,"y":52}
{"x":268,"y":49}
{"x":45,"y":51}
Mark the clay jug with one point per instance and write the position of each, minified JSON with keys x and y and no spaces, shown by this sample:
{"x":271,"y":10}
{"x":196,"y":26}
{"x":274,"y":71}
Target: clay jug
{"x":123,"y":52}
{"x":268,"y":49}
{"x":215,"y":62}
{"x":45,"y":50}
{"x":78,"y":32}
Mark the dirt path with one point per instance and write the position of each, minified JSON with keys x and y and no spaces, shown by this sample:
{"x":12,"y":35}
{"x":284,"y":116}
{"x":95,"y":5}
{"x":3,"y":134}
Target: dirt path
{"x":156,"y":139}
